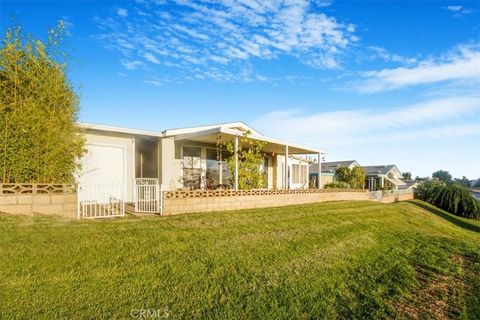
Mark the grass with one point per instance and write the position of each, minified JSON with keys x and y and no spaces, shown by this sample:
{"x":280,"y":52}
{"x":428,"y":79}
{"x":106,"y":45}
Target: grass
{"x":330,"y":260}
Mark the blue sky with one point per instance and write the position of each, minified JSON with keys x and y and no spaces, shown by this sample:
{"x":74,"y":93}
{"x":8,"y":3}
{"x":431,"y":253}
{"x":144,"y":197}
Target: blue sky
{"x":377,"y":81}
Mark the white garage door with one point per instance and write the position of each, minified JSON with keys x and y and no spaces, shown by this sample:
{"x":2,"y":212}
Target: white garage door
{"x":103,"y":167}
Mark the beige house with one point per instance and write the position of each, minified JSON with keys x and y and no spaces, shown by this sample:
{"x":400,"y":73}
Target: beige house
{"x":381,"y":176}
{"x":185,"y":158}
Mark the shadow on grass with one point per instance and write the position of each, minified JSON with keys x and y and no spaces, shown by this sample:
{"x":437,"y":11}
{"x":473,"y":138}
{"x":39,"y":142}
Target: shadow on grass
{"x":450,"y":218}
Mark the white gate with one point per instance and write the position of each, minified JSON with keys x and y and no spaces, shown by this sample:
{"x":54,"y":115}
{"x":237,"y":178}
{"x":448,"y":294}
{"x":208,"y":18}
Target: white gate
{"x":101,"y":201}
{"x":148,"y":195}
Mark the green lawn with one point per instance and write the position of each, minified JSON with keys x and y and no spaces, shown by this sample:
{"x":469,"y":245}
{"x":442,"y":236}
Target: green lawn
{"x":344,"y":260}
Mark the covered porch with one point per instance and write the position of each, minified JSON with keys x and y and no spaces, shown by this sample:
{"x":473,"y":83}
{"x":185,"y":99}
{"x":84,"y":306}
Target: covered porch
{"x":200,"y":154}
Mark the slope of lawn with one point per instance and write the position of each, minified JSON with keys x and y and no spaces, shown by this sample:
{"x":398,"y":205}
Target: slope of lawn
{"x":344,"y":260}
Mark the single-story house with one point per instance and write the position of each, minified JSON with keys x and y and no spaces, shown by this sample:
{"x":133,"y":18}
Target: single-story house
{"x":383,"y":176}
{"x":185,"y":158}
{"x":328,"y":170}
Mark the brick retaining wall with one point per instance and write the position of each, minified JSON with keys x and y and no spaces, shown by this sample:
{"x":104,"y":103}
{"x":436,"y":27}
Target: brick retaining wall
{"x":64,"y":205}
{"x":173,"y":206}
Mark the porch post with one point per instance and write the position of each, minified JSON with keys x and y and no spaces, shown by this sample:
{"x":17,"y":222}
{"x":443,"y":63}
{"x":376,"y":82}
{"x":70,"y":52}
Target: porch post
{"x":319,"y":179}
{"x":236,"y":164}
{"x":286,"y":168}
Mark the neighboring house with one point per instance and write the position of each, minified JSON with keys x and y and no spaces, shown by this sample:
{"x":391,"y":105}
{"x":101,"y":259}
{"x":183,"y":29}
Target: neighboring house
{"x":187,"y":158}
{"x":409,"y":185}
{"x":328,"y":170}
{"x":383,"y":176}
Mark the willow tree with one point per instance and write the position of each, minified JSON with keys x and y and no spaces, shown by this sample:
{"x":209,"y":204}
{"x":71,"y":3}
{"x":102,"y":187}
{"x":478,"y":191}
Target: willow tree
{"x":38,"y":110}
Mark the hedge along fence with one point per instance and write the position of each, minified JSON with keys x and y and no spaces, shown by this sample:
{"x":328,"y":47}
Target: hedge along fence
{"x":47,"y":198}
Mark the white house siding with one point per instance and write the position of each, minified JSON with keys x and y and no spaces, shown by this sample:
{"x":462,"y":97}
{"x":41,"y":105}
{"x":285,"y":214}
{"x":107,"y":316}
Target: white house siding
{"x":279,"y":172}
{"x":169,"y":166}
{"x":270,"y":175}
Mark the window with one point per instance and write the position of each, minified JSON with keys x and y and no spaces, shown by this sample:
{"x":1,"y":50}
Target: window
{"x":192,"y":170}
{"x":299,"y":173}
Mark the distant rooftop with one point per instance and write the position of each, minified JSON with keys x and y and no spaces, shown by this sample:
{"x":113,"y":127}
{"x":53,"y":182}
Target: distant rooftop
{"x":332,"y":166}
{"x":381,"y":169}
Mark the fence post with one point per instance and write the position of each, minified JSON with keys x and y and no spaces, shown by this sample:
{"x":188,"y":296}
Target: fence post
{"x":161,"y":199}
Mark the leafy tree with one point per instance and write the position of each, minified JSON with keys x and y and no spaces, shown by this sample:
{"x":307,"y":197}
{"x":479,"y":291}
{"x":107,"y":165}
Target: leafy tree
{"x":250,"y":158}
{"x":354,"y":177}
{"x":443,"y":176}
{"x":463,"y":182}
{"x":38,"y":109}
{"x":407,"y":176}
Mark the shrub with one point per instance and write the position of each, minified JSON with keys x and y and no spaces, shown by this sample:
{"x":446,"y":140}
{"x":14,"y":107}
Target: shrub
{"x":452,"y":198}
{"x":337,"y":185}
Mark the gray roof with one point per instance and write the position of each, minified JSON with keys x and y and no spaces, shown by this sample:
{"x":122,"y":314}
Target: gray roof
{"x":382,"y":169}
{"x":332,"y":166}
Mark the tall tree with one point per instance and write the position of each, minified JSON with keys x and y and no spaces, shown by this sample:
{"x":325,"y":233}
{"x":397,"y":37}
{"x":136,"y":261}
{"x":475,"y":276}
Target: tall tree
{"x":464,"y":182}
{"x":407,"y":176}
{"x":443,"y":176}
{"x":38,"y":110}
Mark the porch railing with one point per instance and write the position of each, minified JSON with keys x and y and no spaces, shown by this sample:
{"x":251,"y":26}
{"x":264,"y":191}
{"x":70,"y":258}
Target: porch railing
{"x":148,"y":195}
{"x":101,"y":201}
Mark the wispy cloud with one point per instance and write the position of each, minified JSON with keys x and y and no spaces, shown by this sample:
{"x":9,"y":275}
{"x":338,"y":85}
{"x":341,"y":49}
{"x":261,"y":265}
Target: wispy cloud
{"x":122,"y":12}
{"x":221,"y":37}
{"x":462,"y":63}
{"x":132,"y":64}
{"x":458,"y":10}
{"x":338,"y":128}
{"x":68,"y":26}
{"x":383,"y":54}
{"x":422,"y":137}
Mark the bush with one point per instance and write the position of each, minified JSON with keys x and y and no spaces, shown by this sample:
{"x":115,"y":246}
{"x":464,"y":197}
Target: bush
{"x":452,"y":198}
{"x":337,"y":185}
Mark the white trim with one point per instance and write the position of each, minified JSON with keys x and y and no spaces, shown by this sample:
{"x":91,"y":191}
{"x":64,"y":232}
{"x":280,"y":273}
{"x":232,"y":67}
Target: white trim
{"x":181,"y":131}
{"x":101,"y":127}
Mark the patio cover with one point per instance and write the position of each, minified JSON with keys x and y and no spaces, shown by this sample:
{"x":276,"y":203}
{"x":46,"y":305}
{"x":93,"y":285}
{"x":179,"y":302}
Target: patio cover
{"x":226,"y":134}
